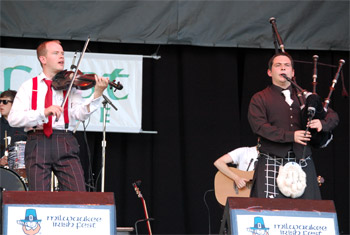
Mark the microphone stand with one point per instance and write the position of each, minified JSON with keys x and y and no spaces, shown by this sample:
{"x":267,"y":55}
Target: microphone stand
{"x":105,"y":103}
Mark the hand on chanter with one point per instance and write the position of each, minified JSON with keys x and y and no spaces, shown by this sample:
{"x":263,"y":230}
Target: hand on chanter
{"x":301,"y":137}
{"x":315,"y":124}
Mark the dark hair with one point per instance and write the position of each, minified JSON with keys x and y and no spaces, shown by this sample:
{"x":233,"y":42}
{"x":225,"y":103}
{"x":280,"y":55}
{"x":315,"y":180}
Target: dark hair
{"x":280,"y":54}
{"x":9,"y":93}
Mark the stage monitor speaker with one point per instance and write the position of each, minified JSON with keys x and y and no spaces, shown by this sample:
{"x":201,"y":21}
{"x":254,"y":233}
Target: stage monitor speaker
{"x":58,"y":213}
{"x":279,"y":216}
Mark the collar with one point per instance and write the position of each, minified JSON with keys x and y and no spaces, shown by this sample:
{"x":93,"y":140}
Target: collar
{"x":280,"y":89}
{"x":41,"y":77}
{"x":3,"y":120}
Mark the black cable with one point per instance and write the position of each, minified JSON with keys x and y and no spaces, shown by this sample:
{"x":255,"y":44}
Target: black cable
{"x":90,"y":173}
{"x":98,"y":176}
{"x":344,"y":92}
{"x":308,"y":62}
{"x":141,"y":220}
{"x":205,"y":202}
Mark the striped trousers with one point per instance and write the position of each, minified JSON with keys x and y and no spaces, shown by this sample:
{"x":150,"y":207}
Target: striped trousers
{"x":58,"y":154}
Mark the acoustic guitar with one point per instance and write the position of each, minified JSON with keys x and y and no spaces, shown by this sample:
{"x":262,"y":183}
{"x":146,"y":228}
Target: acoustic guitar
{"x":139,"y":194}
{"x":226,"y":187}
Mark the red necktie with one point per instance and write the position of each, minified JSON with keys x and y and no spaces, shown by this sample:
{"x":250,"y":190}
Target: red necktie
{"x":48,"y":103}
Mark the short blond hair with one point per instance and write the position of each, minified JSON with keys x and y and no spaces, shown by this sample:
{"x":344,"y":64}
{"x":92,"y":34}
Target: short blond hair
{"x":41,"y":49}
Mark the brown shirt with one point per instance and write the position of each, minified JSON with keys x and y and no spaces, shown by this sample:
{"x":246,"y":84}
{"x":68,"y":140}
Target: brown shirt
{"x":272,"y":119}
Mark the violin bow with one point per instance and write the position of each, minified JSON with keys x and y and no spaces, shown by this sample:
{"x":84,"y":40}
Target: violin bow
{"x":75,"y":73}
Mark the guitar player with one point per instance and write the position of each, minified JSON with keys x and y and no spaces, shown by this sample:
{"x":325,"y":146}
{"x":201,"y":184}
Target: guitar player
{"x":243,"y":157}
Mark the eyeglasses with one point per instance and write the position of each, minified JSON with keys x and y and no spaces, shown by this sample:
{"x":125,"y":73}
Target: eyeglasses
{"x":5,"y":101}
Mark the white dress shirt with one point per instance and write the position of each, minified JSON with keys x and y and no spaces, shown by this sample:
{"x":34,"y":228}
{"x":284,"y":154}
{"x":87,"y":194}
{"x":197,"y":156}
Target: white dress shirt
{"x":287,"y":97}
{"x":22,"y":115}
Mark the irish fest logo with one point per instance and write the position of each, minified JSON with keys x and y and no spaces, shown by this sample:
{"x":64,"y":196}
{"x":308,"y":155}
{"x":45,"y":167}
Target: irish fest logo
{"x":30,"y":224}
{"x":259,"y":227}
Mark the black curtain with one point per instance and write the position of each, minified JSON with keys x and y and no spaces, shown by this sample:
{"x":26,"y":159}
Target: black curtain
{"x":196,"y":98}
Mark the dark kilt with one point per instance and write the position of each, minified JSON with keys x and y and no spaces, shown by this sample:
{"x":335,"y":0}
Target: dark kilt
{"x":266,"y":172}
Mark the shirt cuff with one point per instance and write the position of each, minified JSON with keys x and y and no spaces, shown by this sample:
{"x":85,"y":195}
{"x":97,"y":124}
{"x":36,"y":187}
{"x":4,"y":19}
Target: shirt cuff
{"x":42,"y":118}
{"x":290,"y":136}
{"x":94,"y":103}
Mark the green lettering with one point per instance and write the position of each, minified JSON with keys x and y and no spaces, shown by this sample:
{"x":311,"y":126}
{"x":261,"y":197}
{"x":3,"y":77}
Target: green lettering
{"x":8,"y":72}
{"x":107,"y":115}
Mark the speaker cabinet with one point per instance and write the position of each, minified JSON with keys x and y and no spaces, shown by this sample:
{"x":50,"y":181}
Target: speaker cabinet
{"x":58,"y":213}
{"x":278,"y":216}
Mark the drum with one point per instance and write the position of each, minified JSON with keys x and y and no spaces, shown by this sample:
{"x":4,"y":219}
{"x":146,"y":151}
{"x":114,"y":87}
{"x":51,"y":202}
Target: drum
{"x":16,"y":158}
{"x":11,"y":181}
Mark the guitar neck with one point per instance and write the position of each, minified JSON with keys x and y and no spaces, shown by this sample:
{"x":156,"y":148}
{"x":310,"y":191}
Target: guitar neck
{"x":138,"y":192}
{"x":146,"y":215}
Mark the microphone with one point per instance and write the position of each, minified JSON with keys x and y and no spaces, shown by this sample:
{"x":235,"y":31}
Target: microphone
{"x":110,"y":102}
{"x":274,"y":27}
{"x":314,"y":76}
{"x":73,"y":61}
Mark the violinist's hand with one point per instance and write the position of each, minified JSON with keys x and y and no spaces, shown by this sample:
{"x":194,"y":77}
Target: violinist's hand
{"x":53,"y":110}
{"x":301,"y":138}
{"x":315,"y":124}
{"x":101,"y":85}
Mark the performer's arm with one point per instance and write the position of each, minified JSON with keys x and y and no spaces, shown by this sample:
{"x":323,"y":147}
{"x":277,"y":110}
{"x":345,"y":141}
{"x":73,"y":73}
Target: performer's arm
{"x":221,"y":165}
{"x":331,"y":120}
{"x":260,"y":125}
{"x":21,"y":114}
{"x":328,"y":124}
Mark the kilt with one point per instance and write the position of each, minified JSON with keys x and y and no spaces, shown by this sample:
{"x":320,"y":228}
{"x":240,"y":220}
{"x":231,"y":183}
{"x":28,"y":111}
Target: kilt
{"x":266,"y":172}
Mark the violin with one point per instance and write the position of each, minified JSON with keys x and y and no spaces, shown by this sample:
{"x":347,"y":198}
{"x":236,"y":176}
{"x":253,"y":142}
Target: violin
{"x":63,"y":79}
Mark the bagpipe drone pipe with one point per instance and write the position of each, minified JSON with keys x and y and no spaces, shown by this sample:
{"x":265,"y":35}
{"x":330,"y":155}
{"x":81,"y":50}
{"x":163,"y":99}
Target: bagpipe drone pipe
{"x":312,"y":106}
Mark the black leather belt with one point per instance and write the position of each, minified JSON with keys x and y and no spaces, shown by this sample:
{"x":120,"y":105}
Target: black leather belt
{"x":53,"y":132}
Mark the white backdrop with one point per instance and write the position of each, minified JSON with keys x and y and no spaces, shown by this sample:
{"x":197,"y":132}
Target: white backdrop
{"x":18,"y":65}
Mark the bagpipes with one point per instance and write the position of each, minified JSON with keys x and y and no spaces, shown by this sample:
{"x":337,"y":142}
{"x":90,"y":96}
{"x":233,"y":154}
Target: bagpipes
{"x":312,"y":107}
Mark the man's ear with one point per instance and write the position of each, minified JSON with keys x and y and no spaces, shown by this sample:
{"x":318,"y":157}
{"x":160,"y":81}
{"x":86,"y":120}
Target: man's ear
{"x":269,"y":73}
{"x":42,"y":59}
